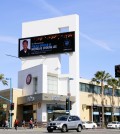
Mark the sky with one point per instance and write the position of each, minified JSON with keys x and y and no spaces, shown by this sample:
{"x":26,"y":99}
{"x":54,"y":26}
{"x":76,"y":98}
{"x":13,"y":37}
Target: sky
{"x":99,"y":32}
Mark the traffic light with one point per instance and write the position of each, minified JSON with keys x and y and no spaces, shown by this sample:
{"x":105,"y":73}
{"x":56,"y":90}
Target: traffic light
{"x":67,"y":104}
{"x":117,"y":71}
{"x":11,"y":106}
{"x":100,"y":115}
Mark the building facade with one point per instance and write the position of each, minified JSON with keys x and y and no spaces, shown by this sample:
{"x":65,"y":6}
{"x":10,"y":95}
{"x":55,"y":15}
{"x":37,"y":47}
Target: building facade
{"x":45,"y":95}
{"x":91,"y":107}
{"x":43,"y":88}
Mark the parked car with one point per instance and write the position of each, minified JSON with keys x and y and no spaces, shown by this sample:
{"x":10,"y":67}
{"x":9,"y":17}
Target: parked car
{"x":114,"y":124}
{"x":89,"y":124}
{"x":65,"y":123}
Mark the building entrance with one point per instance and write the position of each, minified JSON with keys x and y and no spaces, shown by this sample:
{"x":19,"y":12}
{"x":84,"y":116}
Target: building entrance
{"x":28,"y":113}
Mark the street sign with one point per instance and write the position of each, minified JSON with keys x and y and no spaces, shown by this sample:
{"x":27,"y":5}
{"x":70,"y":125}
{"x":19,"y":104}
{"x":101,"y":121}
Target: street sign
{"x":4,"y":106}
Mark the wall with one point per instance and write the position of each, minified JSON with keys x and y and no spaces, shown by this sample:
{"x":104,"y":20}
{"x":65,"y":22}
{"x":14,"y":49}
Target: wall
{"x":87,"y":99}
{"x":40,"y":72}
{"x":16,"y":93}
{"x":53,"y":62}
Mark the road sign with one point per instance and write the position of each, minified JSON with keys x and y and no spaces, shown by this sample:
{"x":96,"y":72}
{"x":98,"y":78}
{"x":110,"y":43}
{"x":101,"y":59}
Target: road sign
{"x":4,"y":106}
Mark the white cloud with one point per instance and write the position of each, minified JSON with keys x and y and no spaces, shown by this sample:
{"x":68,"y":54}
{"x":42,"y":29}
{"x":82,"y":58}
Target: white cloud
{"x":99,"y":43}
{"x":8,"y":39}
{"x":51,"y":8}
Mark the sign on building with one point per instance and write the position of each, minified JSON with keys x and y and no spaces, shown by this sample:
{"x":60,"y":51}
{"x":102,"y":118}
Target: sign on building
{"x":47,"y":44}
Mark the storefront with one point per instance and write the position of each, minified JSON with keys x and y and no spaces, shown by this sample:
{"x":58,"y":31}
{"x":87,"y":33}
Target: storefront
{"x":32,"y":106}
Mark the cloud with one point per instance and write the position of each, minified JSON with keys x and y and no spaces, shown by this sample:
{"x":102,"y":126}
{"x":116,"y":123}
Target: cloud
{"x":51,"y":8}
{"x":8,"y":39}
{"x":99,"y":43}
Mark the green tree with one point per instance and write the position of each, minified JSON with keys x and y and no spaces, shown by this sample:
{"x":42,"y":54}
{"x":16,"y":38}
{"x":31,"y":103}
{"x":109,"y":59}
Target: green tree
{"x":100,"y":77}
{"x":114,"y":83}
{"x":2,"y":79}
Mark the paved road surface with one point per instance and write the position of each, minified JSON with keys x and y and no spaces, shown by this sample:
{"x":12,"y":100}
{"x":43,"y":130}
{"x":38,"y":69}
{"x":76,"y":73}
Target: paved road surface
{"x":44,"y":131}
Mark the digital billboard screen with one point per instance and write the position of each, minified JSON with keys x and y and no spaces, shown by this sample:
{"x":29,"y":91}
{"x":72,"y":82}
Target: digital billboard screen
{"x":47,"y":44}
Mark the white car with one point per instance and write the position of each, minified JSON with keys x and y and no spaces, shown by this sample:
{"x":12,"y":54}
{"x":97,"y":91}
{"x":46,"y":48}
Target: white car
{"x":114,"y":124}
{"x":89,"y":124}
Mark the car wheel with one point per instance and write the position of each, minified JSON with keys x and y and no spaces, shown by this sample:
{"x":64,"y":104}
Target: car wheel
{"x":83,"y":127}
{"x":50,"y":130}
{"x":79,"y":128}
{"x":93,"y":127}
{"x":64,"y":128}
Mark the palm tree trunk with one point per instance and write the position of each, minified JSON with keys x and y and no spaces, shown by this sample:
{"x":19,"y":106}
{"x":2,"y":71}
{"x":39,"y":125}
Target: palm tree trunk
{"x":112,"y":114}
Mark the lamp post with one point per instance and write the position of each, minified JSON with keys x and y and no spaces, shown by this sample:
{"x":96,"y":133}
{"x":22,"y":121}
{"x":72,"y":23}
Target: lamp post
{"x":68,"y":94}
{"x":10,"y":99}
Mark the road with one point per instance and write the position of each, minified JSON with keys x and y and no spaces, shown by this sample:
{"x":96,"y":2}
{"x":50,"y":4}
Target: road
{"x":44,"y":131}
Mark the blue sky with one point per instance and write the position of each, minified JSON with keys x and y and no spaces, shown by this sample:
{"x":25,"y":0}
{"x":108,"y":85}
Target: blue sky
{"x":99,"y":32}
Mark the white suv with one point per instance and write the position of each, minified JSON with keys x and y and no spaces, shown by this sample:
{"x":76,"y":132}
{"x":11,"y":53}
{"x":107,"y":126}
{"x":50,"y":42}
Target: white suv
{"x":65,"y":123}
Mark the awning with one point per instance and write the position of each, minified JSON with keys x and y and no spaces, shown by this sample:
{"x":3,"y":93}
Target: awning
{"x":43,"y":97}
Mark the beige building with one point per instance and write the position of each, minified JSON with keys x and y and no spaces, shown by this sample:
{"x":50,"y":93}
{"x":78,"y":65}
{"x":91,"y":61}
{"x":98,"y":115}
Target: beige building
{"x":5,"y":105}
{"x":90,"y":98}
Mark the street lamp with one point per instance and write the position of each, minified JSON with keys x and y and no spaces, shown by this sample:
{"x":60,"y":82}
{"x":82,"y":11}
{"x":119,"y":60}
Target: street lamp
{"x":10,"y":99}
{"x":68,"y":94}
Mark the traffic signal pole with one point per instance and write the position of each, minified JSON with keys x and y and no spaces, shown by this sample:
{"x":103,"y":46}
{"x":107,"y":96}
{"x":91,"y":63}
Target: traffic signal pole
{"x":68,"y":95}
{"x":10,"y":100}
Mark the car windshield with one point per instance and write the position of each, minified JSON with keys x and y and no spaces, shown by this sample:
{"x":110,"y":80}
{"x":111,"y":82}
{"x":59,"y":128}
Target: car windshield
{"x":62,"y":118}
{"x":114,"y":122}
{"x":89,"y":122}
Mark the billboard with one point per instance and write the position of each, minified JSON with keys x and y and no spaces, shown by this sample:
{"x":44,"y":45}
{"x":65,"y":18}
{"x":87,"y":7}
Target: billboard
{"x":117,"y":71}
{"x":47,"y":44}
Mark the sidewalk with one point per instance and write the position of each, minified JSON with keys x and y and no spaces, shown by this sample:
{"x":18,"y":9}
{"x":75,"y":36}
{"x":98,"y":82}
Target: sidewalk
{"x":21,"y":128}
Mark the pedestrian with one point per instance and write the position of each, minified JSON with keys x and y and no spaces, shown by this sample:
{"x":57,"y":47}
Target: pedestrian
{"x":35,"y":123}
{"x":23,"y":123}
{"x":31,"y":124}
{"x":16,"y":124}
{"x":6,"y":124}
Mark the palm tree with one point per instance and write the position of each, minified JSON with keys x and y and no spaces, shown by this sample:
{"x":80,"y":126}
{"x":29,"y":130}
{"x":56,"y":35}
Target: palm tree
{"x":114,"y":83}
{"x":100,"y":77}
{"x":2,"y":79}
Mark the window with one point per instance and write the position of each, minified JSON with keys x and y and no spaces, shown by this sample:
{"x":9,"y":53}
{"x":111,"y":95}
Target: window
{"x":82,"y":87}
{"x":117,"y":92}
{"x":35,"y":85}
{"x":87,"y":88}
{"x":52,"y":84}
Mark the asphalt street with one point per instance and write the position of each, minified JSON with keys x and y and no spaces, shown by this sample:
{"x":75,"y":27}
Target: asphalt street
{"x":44,"y":131}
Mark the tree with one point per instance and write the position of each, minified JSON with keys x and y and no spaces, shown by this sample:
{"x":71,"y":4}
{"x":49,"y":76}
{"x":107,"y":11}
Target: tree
{"x":100,"y":77}
{"x":2,"y":79}
{"x":114,"y":83}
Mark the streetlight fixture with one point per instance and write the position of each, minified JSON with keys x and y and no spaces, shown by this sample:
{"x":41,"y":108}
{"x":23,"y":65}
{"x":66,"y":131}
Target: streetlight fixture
{"x":69,"y":94}
{"x":10,"y":99}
